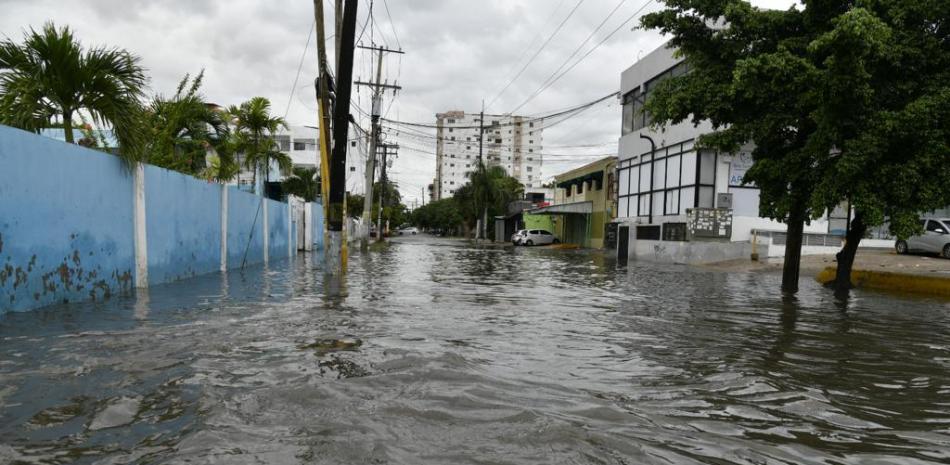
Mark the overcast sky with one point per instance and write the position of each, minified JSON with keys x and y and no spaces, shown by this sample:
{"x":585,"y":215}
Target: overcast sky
{"x":458,"y":52}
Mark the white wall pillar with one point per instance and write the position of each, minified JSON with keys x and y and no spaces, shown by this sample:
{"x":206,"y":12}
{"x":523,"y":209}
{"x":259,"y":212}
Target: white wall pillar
{"x":224,"y":228}
{"x":265,"y":229}
{"x":308,"y":226}
{"x":290,"y":230}
{"x":139,"y":228}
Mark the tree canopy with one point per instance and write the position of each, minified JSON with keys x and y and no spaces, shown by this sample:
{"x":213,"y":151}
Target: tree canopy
{"x":844,"y":100}
{"x":51,"y":77}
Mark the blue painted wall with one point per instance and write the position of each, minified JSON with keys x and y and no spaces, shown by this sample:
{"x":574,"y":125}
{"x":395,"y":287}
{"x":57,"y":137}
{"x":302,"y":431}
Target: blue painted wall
{"x":183,"y":225}
{"x":66,"y":224}
{"x":245,"y":228}
{"x":53,"y":246}
{"x":316,"y":214}
{"x":277,"y":230}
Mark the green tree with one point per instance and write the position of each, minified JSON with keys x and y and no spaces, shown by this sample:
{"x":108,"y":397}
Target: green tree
{"x":822,"y":92}
{"x":304,"y":183}
{"x":186,"y":134}
{"x":52,"y":77}
{"x":253,"y":131}
{"x":487,"y":193}
{"x":442,"y":215}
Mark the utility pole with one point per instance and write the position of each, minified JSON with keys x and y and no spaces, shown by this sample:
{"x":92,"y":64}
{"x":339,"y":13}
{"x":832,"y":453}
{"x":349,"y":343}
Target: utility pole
{"x":378,"y":89}
{"x":335,"y":246}
{"x":322,"y":85}
{"x":382,"y":189}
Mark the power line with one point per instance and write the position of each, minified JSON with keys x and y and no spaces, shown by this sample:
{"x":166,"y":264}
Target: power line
{"x":578,"y":49}
{"x":580,"y":107}
{"x":391,"y":25}
{"x":299,"y":67}
{"x":545,"y":44}
{"x":605,"y":39}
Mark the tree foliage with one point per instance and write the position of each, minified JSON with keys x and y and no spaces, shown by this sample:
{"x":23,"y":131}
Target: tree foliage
{"x":304,"y":183}
{"x":253,"y":129}
{"x":842,"y":99}
{"x":51,"y":76}
{"x":186,"y":134}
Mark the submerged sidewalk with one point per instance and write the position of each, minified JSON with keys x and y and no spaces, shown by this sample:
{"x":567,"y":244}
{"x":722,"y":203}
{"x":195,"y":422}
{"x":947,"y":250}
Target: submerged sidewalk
{"x":873,"y":269}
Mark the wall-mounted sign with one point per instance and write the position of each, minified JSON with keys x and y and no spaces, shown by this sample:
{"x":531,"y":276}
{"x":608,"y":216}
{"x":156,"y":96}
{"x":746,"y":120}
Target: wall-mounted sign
{"x":741,"y":162}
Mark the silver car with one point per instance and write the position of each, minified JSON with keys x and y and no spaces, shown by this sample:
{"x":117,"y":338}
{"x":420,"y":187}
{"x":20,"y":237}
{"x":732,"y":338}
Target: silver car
{"x":935,"y":239}
{"x":538,"y":237}
{"x":517,"y":236}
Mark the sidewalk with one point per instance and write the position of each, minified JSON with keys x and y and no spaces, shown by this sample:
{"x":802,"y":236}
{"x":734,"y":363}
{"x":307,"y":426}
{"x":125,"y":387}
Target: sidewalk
{"x":874,"y":269}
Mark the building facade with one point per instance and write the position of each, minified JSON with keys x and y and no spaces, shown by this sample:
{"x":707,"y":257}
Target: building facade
{"x":512,"y":142}
{"x":662,"y":174}
{"x":584,"y":202}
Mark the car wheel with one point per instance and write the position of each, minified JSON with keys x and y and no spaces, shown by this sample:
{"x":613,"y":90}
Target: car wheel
{"x":557,"y":241}
{"x":946,"y":251}
{"x":901,"y":247}
{"x":529,"y":242}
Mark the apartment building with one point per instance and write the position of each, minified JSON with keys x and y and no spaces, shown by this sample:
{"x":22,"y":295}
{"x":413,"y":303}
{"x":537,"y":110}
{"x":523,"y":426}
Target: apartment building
{"x":512,"y":142}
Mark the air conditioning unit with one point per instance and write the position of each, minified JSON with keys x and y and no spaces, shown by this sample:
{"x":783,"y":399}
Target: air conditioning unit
{"x":724,"y":200}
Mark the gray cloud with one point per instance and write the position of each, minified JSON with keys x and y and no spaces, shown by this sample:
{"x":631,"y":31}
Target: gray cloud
{"x":458,"y":52}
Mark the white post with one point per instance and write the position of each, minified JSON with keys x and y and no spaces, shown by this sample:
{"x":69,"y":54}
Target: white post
{"x":290,"y":230}
{"x":308,"y":226}
{"x":141,"y":241}
{"x":265,"y":229}
{"x":224,"y":228}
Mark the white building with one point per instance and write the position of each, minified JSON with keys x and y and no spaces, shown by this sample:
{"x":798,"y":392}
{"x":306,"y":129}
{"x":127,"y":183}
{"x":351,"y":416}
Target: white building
{"x":300,"y":143}
{"x":512,"y":142}
{"x":658,"y":184}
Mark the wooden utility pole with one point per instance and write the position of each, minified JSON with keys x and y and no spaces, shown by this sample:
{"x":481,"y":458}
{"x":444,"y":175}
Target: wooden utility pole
{"x":335,"y":245}
{"x":322,"y":85}
{"x":382,"y":188}
{"x":375,"y":113}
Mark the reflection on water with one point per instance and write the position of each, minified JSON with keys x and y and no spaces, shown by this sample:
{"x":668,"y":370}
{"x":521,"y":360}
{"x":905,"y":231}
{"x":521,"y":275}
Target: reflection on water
{"x":428,"y":352}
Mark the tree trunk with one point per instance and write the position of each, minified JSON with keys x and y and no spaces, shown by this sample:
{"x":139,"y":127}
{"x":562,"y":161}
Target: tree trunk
{"x":842,"y":283}
{"x":68,"y":126}
{"x":793,"y":248}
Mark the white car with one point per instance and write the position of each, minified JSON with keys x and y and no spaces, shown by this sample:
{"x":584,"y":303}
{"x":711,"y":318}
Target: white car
{"x":538,"y":237}
{"x":411,"y":230}
{"x":935,"y":239}
{"x":516,"y":237}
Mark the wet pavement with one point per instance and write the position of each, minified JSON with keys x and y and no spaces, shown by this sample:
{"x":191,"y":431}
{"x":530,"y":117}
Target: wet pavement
{"x":431,"y":352}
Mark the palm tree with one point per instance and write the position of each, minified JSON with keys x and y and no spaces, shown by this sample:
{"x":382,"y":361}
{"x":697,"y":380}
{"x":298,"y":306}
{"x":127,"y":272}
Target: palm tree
{"x":304,"y":183}
{"x":491,"y":188}
{"x":184,"y":130}
{"x":254,"y":131}
{"x":51,"y":77}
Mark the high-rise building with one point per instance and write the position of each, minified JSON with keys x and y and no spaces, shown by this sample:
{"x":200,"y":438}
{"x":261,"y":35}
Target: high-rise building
{"x":512,"y":142}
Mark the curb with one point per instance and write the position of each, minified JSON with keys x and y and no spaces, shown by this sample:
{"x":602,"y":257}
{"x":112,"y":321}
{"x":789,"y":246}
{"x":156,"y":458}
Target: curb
{"x":890,"y":281}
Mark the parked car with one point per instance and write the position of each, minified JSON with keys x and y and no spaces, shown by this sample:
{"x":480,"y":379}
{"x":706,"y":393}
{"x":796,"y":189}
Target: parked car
{"x":412,"y":230}
{"x":517,"y":236}
{"x":935,"y":239}
{"x":538,"y":237}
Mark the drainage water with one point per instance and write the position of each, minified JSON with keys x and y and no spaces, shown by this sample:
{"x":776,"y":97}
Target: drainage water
{"x":431,"y":352}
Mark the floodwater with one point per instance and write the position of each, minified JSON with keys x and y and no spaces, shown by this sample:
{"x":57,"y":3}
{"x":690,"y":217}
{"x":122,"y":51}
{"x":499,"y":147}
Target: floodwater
{"x":430,"y":352}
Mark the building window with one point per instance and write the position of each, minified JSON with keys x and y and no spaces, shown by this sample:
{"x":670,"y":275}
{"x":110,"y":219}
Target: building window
{"x":352,"y":168}
{"x":353,"y":144}
{"x":468,"y":147}
{"x":450,"y":129}
{"x":674,"y":232}
{"x":530,"y":151}
{"x":530,"y":141}
{"x":530,"y":178}
{"x":531,"y":125}
{"x":283,"y":142}
{"x":529,"y":169}
{"x":669,"y":184}
{"x":301,"y":144}
{"x":497,"y":141}
{"x":451,"y":121}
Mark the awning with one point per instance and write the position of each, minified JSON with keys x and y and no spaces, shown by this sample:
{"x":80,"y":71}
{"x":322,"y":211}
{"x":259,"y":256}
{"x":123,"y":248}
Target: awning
{"x":595,"y":176}
{"x":564,"y":209}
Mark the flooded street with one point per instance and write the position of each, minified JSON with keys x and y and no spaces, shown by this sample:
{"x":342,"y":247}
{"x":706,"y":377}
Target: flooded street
{"x":430,"y":352}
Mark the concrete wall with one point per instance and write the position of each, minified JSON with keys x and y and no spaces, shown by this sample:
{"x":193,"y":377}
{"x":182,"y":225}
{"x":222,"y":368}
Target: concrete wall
{"x":53,"y":246}
{"x":692,"y":252}
{"x":77,"y":224}
{"x":245,"y":229}
{"x":183,"y":225}
{"x":538,"y":222}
